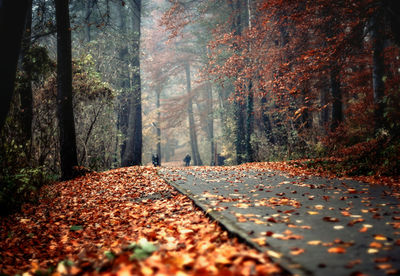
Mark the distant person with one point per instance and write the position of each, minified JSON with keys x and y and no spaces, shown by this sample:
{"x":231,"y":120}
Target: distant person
{"x":220,"y":160}
{"x":187,"y":160}
{"x":156,"y":160}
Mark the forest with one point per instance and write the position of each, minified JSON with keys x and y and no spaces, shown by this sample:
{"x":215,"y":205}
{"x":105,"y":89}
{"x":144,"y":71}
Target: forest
{"x":95,"y":85}
{"x":101,"y":84}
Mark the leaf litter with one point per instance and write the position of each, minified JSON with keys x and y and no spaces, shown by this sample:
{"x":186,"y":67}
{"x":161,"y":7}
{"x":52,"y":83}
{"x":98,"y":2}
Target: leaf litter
{"x":126,"y":221}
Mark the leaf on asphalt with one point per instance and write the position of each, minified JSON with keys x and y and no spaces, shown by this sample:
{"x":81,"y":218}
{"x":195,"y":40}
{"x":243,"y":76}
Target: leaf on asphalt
{"x":312,"y":212}
{"x":351,"y":223}
{"x":314,"y":242}
{"x":379,"y":237}
{"x":296,"y":251}
{"x":260,"y":241}
{"x":337,"y":250}
{"x":338,"y":227}
{"x":330,"y":219}
{"x":375,"y":245}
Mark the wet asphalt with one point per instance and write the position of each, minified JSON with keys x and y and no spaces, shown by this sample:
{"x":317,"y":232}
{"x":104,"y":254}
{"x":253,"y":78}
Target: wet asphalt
{"x":310,"y":225}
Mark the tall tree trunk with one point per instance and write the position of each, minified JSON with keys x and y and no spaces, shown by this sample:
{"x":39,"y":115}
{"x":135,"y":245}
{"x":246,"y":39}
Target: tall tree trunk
{"x":192,"y":127}
{"x":65,"y":112}
{"x":337,"y":109}
{"x":240,"y":147}
{"x":250,"y":95}
{"x":378,"y":68}
{"x":124,"y":99}
{"x":210,"y":122}
{"x":12,"y":22}
{"x":26,"y":87}
{"x":88,"y":12}
{"x":249,"y":122}
{"x":158,"y":126}
{"x":133,"y":151}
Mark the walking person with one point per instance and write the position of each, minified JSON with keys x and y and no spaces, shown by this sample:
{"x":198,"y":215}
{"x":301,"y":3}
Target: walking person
{"x":187,"y":160}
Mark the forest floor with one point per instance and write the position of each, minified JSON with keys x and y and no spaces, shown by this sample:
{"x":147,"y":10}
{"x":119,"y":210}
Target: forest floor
{"x":123,"y":221}
{"x":131,"y":221}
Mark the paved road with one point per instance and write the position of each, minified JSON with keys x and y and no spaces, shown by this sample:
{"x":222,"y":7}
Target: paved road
{"x":312,"y":226}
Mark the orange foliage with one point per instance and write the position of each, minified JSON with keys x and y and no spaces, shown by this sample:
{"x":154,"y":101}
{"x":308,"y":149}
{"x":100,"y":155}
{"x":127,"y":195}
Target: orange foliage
{"x":91,"y":221}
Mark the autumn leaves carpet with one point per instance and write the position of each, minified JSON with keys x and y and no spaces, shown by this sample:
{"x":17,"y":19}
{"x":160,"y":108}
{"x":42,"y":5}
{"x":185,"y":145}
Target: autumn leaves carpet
{"x":121,"y":222}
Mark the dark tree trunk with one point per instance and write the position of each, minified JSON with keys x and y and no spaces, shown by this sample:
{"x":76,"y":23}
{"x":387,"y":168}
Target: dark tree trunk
{"x":88,"y":12}
{"x":239,"y":106}
{"x":133,"y":152}
{"x":210,"y":123}
{"x":306,"y":116}
{"x":26,"y":87}
{"x":124,"y":99}
{"x":158,"y":126}
{"x":12,"y":22}
{"x":267,"y":121}
{"x":378,"y":69}
{"x":192,"y":127}
{"x":325,"y":111}
{"x":249,"y":122}
{"x":65,"y":112}
{"x":337,"y":109}
{"x":239,"y":129}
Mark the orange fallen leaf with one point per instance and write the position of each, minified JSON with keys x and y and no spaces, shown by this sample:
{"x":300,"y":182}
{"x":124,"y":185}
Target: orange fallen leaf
{"x":297,"y":251}
{"x":363,"y":229}
{"x":337,"y":250}
{"x":375,"y":245}
{"x":380,"y":237}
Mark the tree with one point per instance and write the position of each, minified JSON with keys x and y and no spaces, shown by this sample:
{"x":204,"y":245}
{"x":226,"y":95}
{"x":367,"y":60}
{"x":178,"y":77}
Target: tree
{"x":65,"y":113}
{"x":192,"y":127}
{"x":133,"y":151}
{"x":25,"y":90}
{"x":12,"y":22}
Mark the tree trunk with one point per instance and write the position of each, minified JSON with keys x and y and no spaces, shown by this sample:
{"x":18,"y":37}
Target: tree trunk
{"x":88,"y":12}
{"x":65,"y":112}
{"x":12,"y":22}
{"x":337,"y":109}
{"x":124,"y":99}
{"x":158,"y":126}
{"x":133,"y":151}
{"x":238,"y":101}
{"x":325,"y":111}
{"x":250,"y":96}
{"x":249,"y":122}
{"x":192,"y":127}
{"x":210,"y":123}
{"x":26,"y":86}
{"x":267,"y":121}
{"x":378,"y":69}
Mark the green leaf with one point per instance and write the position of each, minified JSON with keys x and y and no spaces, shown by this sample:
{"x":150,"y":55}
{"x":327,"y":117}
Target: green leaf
{"x":141,"y":250}
{"x":76,"y":227}
{"x":139,"y":254}
{"x":147,"y":246}
{"x":110,"y":255}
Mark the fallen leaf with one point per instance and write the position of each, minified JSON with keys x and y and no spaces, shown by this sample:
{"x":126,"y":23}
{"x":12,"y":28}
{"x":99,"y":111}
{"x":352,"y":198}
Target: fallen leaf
{"x":312,"y":212}
{"x":330,"y":219}
{"x":297,"y":251}
{"x":337,"y":250}
{"x":379,"y":237}
{"x":315,"y":242}
{"x":375,"y":245}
